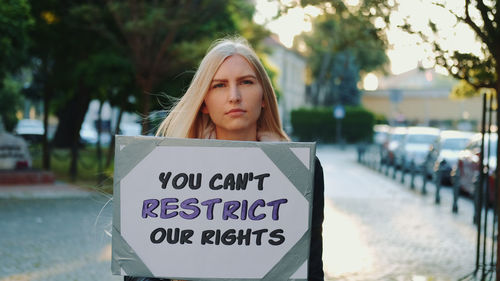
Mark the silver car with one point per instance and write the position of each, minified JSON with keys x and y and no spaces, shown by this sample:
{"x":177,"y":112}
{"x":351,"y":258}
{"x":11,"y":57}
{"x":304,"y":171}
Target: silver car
{"x":445,"y":152}
{"x":414,"y":148}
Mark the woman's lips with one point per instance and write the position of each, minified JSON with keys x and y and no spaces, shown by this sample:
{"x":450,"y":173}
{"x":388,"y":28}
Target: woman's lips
{"x":235,"y":111}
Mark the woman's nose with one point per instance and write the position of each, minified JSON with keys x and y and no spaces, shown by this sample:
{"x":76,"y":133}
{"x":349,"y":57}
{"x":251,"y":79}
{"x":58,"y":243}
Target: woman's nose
{"x":234,"y":94}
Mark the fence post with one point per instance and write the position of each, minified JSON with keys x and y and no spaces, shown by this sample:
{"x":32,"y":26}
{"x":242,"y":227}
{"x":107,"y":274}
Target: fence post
{"x":403,"y":170}
{"x":424,"y":183}
{"x":438,"y":175}
{"x":456,"y":190}
{"x":413,"y":168}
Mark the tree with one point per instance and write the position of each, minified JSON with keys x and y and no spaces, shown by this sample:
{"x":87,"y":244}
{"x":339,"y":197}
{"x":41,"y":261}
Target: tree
{"x":343,"y":45}
{"x":163,"y":37}
{"x":11,"y":101}
{"x":480,"y":70}
{"x":15,"y":20}
{"x":108,"y":44}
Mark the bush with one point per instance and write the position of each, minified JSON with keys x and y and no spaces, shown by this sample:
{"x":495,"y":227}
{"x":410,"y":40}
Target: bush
{"x":318,"y":124}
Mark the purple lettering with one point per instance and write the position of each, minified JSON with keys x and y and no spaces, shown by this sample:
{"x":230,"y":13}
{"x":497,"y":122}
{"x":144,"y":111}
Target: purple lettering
{"x":276,"y":207}
{"x":186,"y":204}
{"x":148,"y":206}
{"x":251,"y":211}
{"x":210,"y":207}
{"x":229,"y":208}
{"x":165,"y":207}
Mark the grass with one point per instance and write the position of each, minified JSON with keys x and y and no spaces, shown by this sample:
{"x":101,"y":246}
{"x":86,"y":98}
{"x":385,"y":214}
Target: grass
{"x":88,"y":176}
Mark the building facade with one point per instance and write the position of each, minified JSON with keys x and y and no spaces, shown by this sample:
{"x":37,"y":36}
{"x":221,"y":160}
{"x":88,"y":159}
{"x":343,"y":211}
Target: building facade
{"x":291,"y":68}
{"x":422,"y":97}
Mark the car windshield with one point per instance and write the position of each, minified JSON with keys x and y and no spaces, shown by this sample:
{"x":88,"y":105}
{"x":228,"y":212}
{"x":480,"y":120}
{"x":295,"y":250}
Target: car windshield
{"x":421,"y":138}
{"x":455,"y":144}
{"x":397,"y":137}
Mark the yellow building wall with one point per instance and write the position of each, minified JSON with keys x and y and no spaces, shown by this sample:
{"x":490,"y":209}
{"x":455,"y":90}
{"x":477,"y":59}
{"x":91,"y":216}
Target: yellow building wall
{"x":425,"y":109}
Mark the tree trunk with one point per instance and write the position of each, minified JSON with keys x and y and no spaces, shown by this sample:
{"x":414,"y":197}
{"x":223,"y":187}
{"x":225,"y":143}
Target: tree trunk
{"x":111,"y":150}
{"x":71,"y":117}
{"x":45,"y":141}
{"x":98,"y":146}
{"x":146,"y":84}
{"x":497,"y":172}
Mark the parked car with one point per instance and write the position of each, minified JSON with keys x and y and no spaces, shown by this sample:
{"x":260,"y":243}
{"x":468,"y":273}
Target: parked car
{"x":380,"y":134}
{"x":414,"y":147}
{"x":468,"y":164}
{"x":30,"y":129}
{"x":394,"y":139}
{"x":444,"y":151}
{"x":14,"y":153}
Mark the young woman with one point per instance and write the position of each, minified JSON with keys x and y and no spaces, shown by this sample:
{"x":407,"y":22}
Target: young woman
{"x":231,"y":98}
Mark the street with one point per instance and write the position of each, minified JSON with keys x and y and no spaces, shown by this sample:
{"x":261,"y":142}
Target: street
{"x":375,"y":228}
{"x":379,"y":229}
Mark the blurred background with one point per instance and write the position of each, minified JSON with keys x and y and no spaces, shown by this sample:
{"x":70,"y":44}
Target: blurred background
{"x":402,"y":83}
{"x":74,"y":74}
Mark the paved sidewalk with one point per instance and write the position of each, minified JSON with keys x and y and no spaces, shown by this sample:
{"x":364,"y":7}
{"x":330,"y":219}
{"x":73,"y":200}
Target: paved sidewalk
{"x":379,"y":229}
{"x":43,"y":191}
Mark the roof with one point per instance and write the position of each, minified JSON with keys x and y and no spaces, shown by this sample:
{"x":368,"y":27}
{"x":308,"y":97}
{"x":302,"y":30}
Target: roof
{"x":417,"y":79}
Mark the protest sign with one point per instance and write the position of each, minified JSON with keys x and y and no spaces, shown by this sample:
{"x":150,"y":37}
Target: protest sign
{"x":208,"y":209}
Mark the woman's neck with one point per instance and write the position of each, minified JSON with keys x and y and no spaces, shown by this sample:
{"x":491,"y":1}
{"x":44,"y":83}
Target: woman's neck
{"x":245,"y":135}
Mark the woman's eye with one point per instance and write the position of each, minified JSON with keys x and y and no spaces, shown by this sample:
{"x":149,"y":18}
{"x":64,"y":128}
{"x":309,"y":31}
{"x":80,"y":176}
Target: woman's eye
{"x":248,"y":82}
{"x":218,"y":85}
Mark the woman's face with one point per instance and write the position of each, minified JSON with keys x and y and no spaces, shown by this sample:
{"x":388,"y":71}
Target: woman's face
{"x":234,"y":100}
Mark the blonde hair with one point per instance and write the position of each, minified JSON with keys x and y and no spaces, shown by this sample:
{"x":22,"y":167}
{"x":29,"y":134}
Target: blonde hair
{"x":186,"y":120}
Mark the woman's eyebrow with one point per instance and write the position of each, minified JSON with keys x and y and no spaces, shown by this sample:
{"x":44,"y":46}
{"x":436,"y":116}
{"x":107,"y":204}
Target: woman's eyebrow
{"x":219,"y":80}
{"x":239,"y":78}
{"x":247,"y":76}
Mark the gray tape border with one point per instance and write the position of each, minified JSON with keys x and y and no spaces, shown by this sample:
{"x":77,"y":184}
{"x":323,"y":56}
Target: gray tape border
{"x":138,"y":147}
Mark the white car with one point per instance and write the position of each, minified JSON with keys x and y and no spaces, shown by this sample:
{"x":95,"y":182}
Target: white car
{"x":14,"y":153}
{"x":30,"y":129}
{"x":415,"y":147}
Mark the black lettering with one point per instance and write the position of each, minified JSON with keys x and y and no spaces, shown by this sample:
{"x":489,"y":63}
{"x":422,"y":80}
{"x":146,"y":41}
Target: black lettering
{"x":164,"y":179}
{"x":258,"y":233}
{"x":192,"y":184}
{"x":244,"y":236}
{"x":241,"y":181}
{"x":229,"y":182}
{"x":184,"y":180}
{"x":217,"y":237}
{"x":206,"y":237}
{"x":278,"y":235}
{"x":153,"y":238}
{"x":212,"y":185}
{"x":185,"y":235}
{"x":228,"y":237}
{"x":173,"y":236}
{"x":260,"y":185}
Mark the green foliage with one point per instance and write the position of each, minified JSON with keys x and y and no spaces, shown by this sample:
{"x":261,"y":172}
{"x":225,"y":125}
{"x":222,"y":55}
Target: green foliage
{"x":318,"y":124}
{"x":11,"y":101}
{"x":478,"y":70}
{"x":87,"y":166}
{"x":15,"y":20}
{"x":344,"y":35}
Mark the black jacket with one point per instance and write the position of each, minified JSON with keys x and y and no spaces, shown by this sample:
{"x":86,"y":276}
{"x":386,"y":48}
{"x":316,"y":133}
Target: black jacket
{"x":315,"y":269}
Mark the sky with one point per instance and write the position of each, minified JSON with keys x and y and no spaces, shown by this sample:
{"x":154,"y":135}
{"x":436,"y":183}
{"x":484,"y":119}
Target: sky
{"x":405,"y":51}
